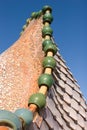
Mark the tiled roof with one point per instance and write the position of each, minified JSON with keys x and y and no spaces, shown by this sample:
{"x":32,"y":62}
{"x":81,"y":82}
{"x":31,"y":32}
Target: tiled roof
{"x":66,"y":107}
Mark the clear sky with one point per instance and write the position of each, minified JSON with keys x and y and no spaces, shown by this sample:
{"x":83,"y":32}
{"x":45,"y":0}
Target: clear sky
{"x":69,"y":27}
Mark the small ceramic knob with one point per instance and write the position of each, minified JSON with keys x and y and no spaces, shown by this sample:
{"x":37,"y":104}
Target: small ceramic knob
{"x":24,"y":27}
{"x":38,"y":99}
{"x":25,"y":115}
{"x":47,"y":41}
{"x":47,"y":18}
{"x":47,"y":30}
{"x":45,"y":79}
{"x":50,"y":47}
{"x":45,"y":8}
{"x":10,"y":119}
{"x":49,"y":62}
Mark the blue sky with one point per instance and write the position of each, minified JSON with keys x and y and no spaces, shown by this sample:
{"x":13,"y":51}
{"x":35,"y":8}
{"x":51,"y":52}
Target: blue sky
{"x":69,"y":27}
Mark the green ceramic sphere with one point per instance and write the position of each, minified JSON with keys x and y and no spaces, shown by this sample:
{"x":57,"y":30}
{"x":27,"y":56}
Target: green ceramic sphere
{"x":49,"y":62}
{"x":34,"y":15}
{"x":47,"y":30}
{"x":27,"y":21}
{"x":39,"y":13}
{"x":24,"y":27}
{"x":47,"y":18}
{"x":38,"y":99}
{"x":25,"y":115}
{"x":10,"y":119}
{"x":50,"y":47}
{"x":21,"y":33}
{"x":45,"y":79}
{"x":47,"y":41}
{"x":45,"y":8}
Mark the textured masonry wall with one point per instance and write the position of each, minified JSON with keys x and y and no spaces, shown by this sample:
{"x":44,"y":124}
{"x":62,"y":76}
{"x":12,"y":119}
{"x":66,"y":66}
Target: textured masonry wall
{"x":20,"y":67}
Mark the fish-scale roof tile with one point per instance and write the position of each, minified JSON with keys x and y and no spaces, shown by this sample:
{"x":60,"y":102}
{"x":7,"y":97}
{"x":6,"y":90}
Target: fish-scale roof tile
{"x":74,"y":105}
{"x":63,"y":70}
{"x":59,"y":99}
{"x":66,"y":108}
{"x":63,"y":76}
{"x":65,"y":126}
{"x":67,"y":98}
{"x":82,"y":111}
{"x":72,"y":124}
{"x":60,"y":92}
{"x":73,"y":114}
{"x":48,"y":117}
{"x":78,"y":127}
{"x":70,"y":76}
{"x":44,"y":126}
{"x":85,"y":125}
{"x":66,"y":117}
{"x":83,"y":103}
{"x":68,"y":90}
{"x":61,"y":84}
{"x":81,"y":121}
{"x":76,"y":96}
{"x":69,"y":82}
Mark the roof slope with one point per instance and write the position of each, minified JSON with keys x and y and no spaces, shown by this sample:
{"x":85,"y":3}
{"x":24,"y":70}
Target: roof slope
{"x":65,"y":109}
